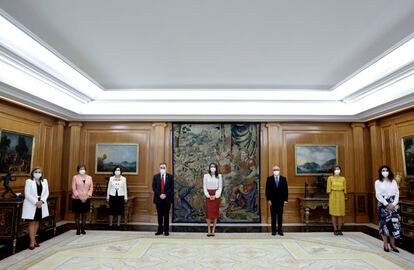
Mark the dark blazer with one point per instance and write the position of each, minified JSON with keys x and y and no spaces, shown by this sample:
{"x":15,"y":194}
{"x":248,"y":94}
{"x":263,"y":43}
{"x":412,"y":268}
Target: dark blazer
{"x":168,"y":188}
{"x":276,"y":194}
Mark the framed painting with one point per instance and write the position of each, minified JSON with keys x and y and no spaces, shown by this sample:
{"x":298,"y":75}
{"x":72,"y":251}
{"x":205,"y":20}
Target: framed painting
{"x":311,"y":159}
{"x":16,"y":152}
{"x":109,"y":155}
{"x":407,"y":144}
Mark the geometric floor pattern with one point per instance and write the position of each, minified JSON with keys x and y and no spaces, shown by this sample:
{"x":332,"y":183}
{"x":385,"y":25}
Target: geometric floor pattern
{"x":189,"y":251}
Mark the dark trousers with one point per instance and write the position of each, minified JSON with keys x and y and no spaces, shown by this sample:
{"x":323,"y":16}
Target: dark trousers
{"x":276,"y":209}
{"x":163,"y":212}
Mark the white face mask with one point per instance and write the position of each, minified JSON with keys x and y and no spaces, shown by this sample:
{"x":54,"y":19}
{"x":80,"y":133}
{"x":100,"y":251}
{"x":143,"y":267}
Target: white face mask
{"x":385,"y":174}
{"x":117,"y":173}
{"x":37,"y":175}
{"x":162,"y":171}
{"x":337,"y":172}
{"x":276,"y":172}
{"x":82,"y":172}
{"x":213,"y":169}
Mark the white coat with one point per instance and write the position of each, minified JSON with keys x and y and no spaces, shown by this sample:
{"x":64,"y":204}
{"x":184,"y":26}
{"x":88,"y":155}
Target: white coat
{"x":30,"y":199}
{"x":119,"y":186}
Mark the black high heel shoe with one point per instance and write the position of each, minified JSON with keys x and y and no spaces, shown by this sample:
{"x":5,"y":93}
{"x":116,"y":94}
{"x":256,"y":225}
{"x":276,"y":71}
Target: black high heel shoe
{"x":395,"y":249}
{"x":386,"y":249}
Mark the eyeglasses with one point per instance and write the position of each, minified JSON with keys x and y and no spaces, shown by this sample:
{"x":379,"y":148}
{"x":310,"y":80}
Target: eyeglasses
{"x":163,"y":168}
{"x":37,"y":172}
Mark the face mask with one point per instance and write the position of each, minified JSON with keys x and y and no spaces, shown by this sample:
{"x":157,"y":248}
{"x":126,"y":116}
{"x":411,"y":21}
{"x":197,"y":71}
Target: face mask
{"x":162,"y":171}
{"x":276,"y":172}
{"x":37,"y":175}
{"x":82,"y":172}
{"x":385,"y":174}
{"x":117,"y":173}
{"x":212,"y":169}
{"x":337,"y":172}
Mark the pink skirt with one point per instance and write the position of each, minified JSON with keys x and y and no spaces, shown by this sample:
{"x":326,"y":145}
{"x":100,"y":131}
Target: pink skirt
{"x":212,"y":206}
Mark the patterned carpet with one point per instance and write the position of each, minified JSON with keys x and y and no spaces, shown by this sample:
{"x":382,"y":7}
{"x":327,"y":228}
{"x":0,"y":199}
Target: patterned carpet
{"x":143,"y":250}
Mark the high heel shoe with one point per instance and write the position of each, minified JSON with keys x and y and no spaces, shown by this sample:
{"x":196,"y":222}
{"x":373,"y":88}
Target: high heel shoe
{"x":395,"y":249}
{"x":36,"y":245}
{"x":386,"y":249}
{"x":31,"y":247}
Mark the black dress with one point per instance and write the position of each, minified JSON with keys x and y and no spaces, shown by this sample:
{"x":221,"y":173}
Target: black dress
{"x":116,"y":203}
{"x":38,"y":213}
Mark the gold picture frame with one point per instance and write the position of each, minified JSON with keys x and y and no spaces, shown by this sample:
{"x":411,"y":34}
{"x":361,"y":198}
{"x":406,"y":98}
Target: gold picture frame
{"x":407,"y":145}
{"x":16,"y":152}
{"x":109,"y":155}
{"x":315,"y":159}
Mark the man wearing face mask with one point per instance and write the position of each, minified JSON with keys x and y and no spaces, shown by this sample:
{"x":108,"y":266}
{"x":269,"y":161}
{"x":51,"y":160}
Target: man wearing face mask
{"x":277,"y":197}
{"x":163,"y":188}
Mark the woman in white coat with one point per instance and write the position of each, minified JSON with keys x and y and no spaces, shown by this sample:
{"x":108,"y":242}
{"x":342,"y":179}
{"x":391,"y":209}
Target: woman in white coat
{"x":117,"y":195}
{"x":36,"y":192}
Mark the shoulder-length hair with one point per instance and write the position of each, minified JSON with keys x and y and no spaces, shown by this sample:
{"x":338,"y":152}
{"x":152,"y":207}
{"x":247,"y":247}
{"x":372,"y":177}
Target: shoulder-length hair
{"x":334,"y":168}
{"x":217,"y":169}
{"x":390,"y":173}
{"x":116,"y":167}
{"x":35,"y":169}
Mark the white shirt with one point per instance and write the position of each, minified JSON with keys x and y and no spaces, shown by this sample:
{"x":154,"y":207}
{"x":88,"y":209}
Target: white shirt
{"x":117,"y":185}
{"x":212,"y":182}
{"x":386,"y":189}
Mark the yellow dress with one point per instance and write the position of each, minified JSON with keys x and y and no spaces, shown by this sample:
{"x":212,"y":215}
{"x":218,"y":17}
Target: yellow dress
{"x":336,"y":188}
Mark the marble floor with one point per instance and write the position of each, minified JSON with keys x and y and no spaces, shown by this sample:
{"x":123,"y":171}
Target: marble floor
{"x":143,"y":250}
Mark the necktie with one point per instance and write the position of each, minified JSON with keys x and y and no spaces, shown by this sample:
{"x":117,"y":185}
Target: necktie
{"x":277,"y":181}
{"x":162,"y":184}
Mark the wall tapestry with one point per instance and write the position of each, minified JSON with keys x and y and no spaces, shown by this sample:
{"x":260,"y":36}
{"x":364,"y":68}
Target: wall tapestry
{"x":235,"y":148}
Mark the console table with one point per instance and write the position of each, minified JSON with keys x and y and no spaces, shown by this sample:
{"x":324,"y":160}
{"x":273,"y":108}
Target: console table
{"x":13,"y":227}
{"x":308,"y":204}
{"x":99,"y":211}
{"x":407,"y":218}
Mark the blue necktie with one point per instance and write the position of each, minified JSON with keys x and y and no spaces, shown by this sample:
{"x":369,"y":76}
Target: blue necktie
{"x":277,"y":181}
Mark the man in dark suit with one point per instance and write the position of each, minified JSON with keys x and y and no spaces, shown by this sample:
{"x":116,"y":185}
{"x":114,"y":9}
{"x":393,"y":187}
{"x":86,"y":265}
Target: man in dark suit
{"x":163,"y":187}
{"x":277,"y":197}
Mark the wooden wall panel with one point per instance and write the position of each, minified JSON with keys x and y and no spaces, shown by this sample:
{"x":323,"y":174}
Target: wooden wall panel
{"x":60,"y":146}
{"x":47,"y":142}
{"x":153,"y":149}
{"x":391,"y":130}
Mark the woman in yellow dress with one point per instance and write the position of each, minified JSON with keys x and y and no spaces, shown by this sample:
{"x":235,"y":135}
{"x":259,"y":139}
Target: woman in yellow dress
{"x":336,"y":188}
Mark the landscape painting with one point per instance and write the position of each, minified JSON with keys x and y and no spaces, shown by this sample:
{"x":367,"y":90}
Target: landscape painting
{"x":315,"y":159}
{"x":109,"y":155}
{"x":408,"y":155}
{"x":235,"y":148}
{"x":16,"y":152}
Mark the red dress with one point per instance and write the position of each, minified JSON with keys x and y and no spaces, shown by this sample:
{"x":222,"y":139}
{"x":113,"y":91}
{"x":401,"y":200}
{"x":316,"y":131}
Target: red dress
{"x":212,"y":206}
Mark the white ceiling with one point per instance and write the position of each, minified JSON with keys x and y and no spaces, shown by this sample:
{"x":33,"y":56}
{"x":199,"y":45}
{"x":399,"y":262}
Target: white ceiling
{"x":234,"y":57}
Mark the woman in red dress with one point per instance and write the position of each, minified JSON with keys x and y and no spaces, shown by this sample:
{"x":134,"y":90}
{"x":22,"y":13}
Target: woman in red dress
{"x":212,"y":186}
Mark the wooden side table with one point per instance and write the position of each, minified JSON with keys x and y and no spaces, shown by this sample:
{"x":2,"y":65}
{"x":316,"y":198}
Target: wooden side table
{"x":308,"y":204}
{"x":407,"y":218}
{"x":13,"y":227}
{"x":97,"y":202}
